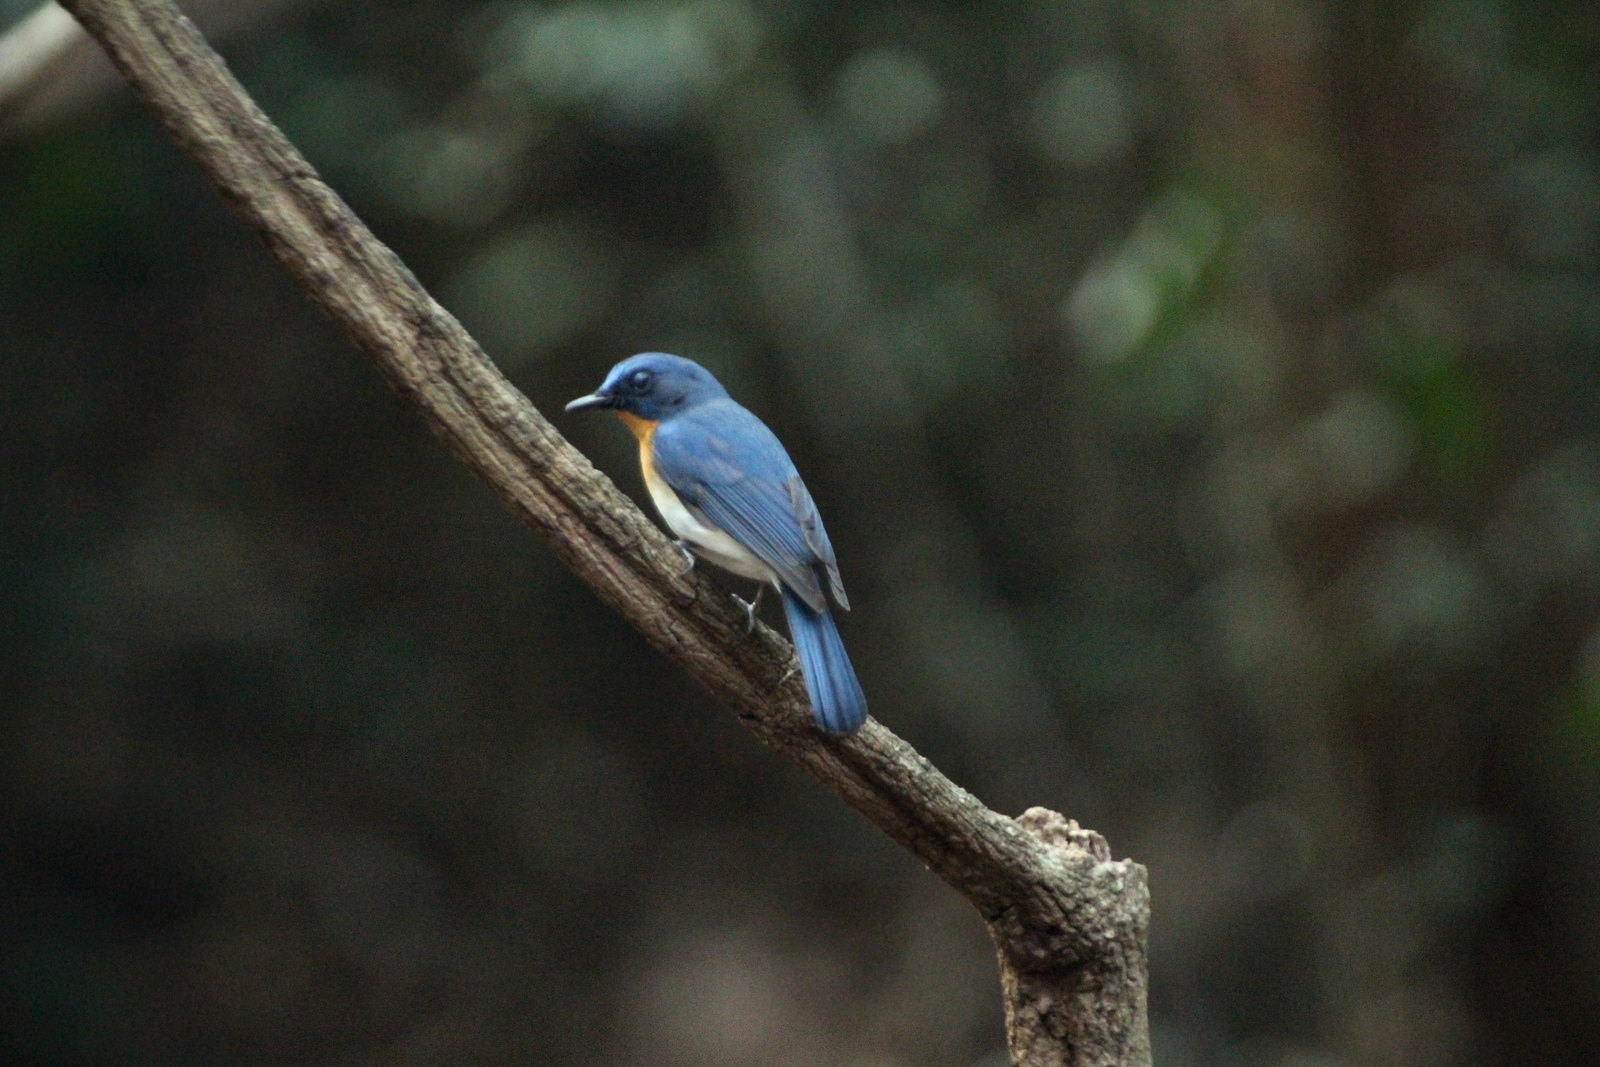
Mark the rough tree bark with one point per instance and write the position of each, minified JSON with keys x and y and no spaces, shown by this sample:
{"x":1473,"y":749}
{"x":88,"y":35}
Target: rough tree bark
{"x":1069,"y":924}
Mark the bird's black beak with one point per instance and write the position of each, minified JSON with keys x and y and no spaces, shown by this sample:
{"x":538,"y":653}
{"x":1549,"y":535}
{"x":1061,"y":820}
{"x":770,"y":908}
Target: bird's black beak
{"x":593,"y":400}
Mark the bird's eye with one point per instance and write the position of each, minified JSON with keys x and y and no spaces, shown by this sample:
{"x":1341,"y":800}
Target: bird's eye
{"x":640,"y":380}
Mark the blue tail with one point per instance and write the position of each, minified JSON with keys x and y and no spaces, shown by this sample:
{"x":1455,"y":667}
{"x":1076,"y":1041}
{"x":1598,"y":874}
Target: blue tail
{"x":836,"y":697}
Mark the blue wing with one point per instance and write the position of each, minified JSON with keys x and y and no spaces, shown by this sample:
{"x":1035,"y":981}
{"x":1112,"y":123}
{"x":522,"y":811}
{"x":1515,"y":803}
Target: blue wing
{"x":723,"y":461}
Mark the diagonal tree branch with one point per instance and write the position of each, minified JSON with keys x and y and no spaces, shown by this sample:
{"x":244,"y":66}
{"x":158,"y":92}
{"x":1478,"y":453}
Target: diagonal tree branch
{"x":1069,"y":924}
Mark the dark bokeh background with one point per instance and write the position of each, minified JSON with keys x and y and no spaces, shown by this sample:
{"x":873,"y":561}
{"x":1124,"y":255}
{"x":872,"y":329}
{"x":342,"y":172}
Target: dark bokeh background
{"x":1202,"y":397}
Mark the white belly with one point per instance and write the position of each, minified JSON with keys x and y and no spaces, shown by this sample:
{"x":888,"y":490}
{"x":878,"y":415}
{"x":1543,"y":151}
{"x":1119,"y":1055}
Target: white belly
{"x":707,"y":542}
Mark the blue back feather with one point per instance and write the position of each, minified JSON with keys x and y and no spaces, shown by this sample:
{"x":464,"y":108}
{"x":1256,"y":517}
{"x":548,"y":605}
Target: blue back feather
{"x":724,"y":462}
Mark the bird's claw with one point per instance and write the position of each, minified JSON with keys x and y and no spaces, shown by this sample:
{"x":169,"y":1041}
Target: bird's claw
{"x":750,"y":607}
{"x":688,"y":557}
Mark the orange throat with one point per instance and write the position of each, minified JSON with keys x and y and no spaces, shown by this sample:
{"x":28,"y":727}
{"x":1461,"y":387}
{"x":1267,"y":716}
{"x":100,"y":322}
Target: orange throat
{"x":645,"y":431}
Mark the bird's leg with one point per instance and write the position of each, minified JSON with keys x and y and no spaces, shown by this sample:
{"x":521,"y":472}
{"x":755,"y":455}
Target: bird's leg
{"x":688,"y":557}
{"x":750,"y":607}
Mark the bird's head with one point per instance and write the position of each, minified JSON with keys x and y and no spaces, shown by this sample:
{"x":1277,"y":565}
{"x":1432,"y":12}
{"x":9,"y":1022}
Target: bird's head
{"x":651,"y":386}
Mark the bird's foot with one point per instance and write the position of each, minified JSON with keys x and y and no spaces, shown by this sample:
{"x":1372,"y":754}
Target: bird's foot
{"x":750,"y":607}
{"x":688,"y":557}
